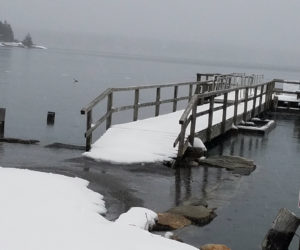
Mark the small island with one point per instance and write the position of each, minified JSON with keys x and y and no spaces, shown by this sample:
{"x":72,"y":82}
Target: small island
{"x":7,"y":38}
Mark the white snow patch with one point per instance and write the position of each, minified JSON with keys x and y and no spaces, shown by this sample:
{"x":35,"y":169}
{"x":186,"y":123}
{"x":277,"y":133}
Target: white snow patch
{"x":139,"y":217}
{"x":49,"y":211}
{"x":199,"y":144}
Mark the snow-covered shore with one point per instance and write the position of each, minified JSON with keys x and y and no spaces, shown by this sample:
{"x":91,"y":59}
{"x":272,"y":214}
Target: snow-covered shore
{"x":49,"y":211}
{"x":20,"y":45}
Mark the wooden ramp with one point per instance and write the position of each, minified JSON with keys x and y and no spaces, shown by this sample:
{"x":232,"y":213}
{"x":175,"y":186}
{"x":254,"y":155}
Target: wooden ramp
{"x":214,"y":106}
{"x":151,"y":140}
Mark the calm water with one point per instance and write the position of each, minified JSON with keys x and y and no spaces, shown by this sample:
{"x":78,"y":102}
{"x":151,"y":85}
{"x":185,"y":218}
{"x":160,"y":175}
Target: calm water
{"x":33,"y":82}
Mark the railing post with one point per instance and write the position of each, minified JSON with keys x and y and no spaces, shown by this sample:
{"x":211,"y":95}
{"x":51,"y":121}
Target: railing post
{"x":136,"y":104}
{"x":236,"y":103}
{"x":181,"y":140}
{"x":260,"y":99}
{"x":157,"y":104}
{"x":266,"y":97}
{"x":175,"y":98}
{"x":210,"y":117}
{"x":190,"y":91}
{"x":254,"y":102}
{"x":89,"y":120}
{"x":246,"y":104}
{"x":193,"y":124}
{"x":224,"y":113}
{"x":109,"y":109}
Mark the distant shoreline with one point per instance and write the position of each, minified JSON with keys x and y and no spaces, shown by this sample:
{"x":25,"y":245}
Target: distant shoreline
{"x":20,"y":45}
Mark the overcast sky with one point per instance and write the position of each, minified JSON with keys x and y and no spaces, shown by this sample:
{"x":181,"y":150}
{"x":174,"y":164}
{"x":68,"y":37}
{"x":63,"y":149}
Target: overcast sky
{"x":250,"y":23}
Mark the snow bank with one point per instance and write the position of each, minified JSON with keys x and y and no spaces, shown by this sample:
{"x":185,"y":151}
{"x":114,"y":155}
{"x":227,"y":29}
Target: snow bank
{"x":139,"y":217}
{"x":48,"y":211}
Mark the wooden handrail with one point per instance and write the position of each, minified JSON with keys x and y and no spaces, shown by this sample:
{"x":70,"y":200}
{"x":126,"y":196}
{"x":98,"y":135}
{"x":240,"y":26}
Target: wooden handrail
{"x":195,"y":101}
{"x":219,"y":81}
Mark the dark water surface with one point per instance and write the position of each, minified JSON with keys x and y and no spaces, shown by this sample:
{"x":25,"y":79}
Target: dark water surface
{"x":246,"y":205}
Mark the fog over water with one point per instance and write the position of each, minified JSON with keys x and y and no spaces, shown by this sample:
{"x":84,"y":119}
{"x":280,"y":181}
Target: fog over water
{"x":259,"y":31}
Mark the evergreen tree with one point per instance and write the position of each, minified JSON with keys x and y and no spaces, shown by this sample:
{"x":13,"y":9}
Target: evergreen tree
{"x":6,"y":32}
{"x":28,"y":41}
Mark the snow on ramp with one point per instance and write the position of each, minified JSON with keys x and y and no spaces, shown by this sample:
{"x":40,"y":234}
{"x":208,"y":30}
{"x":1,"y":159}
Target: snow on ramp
{"x":151,"y":140}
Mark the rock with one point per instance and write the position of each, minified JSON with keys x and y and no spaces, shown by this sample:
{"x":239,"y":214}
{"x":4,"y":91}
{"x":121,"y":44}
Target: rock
{"x":214,"y":247}
{"x":199,"y":215}
{"x":195,"y":202}
{"x":169,"y":221}
{"x":236,"y":164}
{"x":172,"y":236}
{"x":193,"y":164}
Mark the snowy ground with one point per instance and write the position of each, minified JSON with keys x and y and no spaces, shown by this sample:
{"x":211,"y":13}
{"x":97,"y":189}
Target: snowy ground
{"x":150,"y":140}
{"x":49,"y":211}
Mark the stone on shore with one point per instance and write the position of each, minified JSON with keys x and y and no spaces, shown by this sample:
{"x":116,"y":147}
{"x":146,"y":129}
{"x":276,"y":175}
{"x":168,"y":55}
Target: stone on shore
{"x":214,"y":247}
{"x":236,"y":164}
{"x":169,"y":221}
{"x":199,"y":215}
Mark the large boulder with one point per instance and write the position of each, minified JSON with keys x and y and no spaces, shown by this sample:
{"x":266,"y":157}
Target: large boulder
{"x":169,"y":221}
{"x":214,"y":247}
{"x":236,"y":164}
{"x":199,"y":215}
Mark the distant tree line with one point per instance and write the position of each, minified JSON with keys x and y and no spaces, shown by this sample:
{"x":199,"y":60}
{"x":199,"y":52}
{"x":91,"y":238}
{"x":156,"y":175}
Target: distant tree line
{"x":7,"y":35}
{"x":6,"y":32}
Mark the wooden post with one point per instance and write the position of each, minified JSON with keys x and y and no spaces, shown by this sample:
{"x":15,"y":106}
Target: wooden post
{"x":136,"y":104}
{"x":260,"y":99}
{"x":190,"y":91}
{"x":109,"y":109}
{"x":210,"y":118}
{"x":157,"y":104}
{"x":236,"y":103}
{"x":50,"y":118}
{"x":224,"y":113}
{"x":89,"y":120}
{"x":246,"y":105}
{"x":2,"y":122}
{"x":266,"y":97}
{"x":282,"y":232}
{"x":254,"y":102}
{"x":175,"y":98}
{"x":197,"y":90}
{"x":193,"y":124}
{"x":181,"y":140}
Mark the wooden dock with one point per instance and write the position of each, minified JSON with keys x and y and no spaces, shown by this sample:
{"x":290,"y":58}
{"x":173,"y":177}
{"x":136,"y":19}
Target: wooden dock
{"x":215,"y":103}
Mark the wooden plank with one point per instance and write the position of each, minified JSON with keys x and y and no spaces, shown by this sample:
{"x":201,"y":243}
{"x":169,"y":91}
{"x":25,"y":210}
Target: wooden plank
{"x":136,"y":104}
{"x":224,"y":112}
{"x":175,"y":98}
{"x":109,"y":110}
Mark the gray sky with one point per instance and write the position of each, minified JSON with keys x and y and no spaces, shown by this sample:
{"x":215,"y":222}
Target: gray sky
{"x":247,"y":23}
